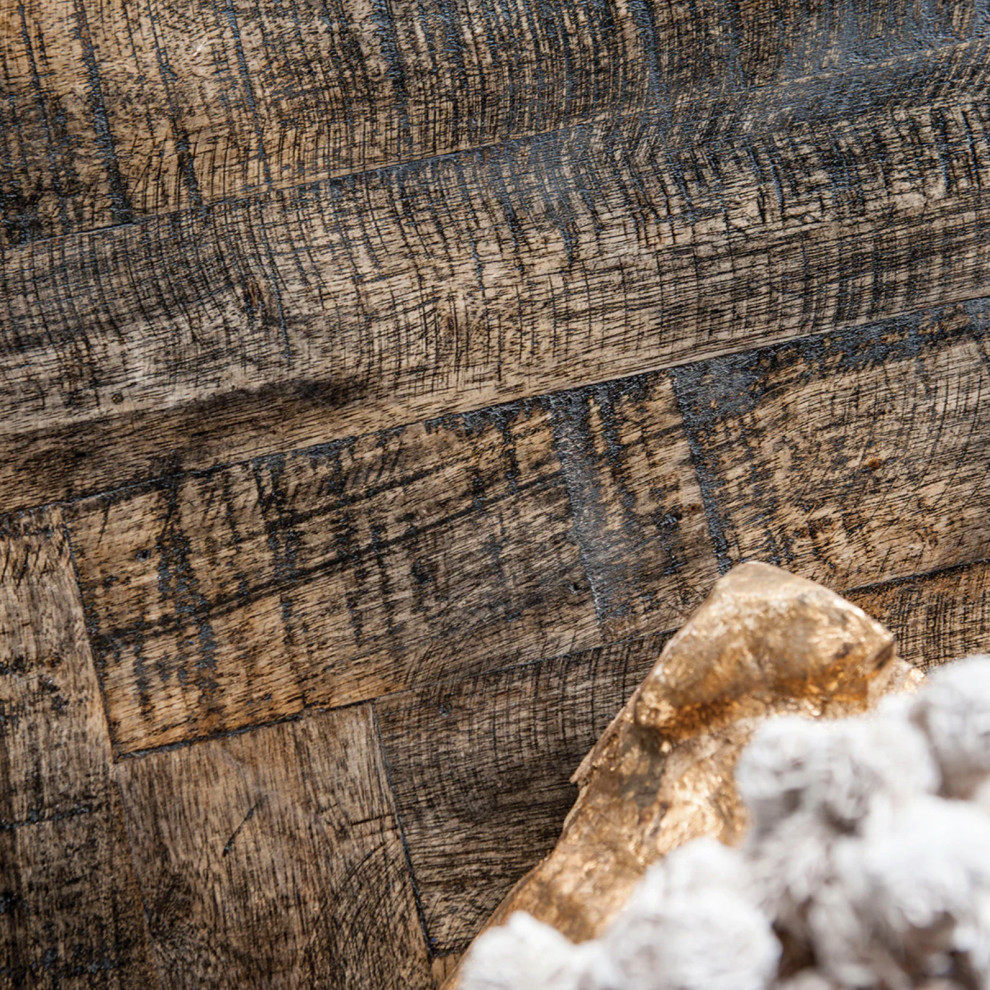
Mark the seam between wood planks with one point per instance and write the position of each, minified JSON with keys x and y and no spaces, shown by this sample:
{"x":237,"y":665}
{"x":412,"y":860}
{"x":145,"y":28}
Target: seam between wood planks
{"x":387,"y":763}
{"x":450,"y":419}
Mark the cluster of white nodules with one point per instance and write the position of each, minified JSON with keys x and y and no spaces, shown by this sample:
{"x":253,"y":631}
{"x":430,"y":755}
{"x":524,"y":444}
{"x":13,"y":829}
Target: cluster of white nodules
{"x":867,"y":865}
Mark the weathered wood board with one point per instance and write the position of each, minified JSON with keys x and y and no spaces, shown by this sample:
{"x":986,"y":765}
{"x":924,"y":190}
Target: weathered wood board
{"x":274,"y":859}
{"x":122,"y":110}
{"x":852,"y":458}
{"x":425,"y":363}
{"x":481,"y":769}
{"x":70,"y":911}
{"x":936,"y":617}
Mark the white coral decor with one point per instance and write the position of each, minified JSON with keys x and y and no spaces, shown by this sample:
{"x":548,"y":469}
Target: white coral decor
{"x":869,"y":852}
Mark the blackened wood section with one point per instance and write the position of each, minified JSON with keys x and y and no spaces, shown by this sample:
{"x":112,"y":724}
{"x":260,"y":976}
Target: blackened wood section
{"x":571,"y":257}
{"x":144,"y":108}
{"x":340,"y":573}
{"x":70,"y":913}
{"x":636,"y":508}
{"x":274,"y":859}
{"x":936,"y":617}
{"x":481,"y":770}
{"x":852,"y":458}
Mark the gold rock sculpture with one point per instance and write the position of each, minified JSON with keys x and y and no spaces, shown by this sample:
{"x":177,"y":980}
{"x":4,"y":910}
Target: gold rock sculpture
{"x":764,"y":643}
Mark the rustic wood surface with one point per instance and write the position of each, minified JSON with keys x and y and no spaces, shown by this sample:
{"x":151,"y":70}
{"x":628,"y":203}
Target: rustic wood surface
{"x":381,"y":382}
{"x":70,"y":908}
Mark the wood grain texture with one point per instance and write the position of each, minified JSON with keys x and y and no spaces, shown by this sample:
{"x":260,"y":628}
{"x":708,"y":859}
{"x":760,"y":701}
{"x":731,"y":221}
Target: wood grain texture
{"x":481,"y":772}
{"x":341,"y":573}
{"x":118,"y":110}
{"x":59,"y":166}
{"x":70,"y":913}
{"x":853,"y":458}
{"x":576,"y":256}
{"x":935,"y":617}
{"x":437,"y":355}
{"x":274,"y":859}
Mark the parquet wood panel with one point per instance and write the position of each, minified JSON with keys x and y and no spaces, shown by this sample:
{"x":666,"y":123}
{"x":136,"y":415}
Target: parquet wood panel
{"x":382,"y":382}
{"x":70,"y":912}
{"x":341,"y":573}
{"x":576,"y":256}
{"x":273,"y":859}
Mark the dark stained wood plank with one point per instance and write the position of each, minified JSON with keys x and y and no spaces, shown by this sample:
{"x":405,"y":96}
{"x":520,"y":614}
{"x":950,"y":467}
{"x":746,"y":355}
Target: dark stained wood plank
{"x":70,"y":912}
{"x":273,"y":858}
{"x":572,"y":257}
{"x":337,"y":574}
{"x":481,"y":768}
{"x":128,"y":109}
{"x":852,"y":458}
{"x":936,"y":617}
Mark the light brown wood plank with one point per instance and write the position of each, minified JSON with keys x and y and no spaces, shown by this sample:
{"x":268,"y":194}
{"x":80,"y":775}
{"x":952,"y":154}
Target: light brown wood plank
{"x":330,"y":575}
{"x":443,"y":967}
{"x":481,"y":766}
{"x":935,"y":617}
{"x":572,"y":257}
{"x":70,"y":913}
{"x":273,"y":859}
{"x":853,"y":458}
{"x":124,"y":109}
{"x":340,"y":573}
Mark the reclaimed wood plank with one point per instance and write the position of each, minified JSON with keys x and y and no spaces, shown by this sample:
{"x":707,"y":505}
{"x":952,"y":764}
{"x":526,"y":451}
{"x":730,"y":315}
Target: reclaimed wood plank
{"x":147,"y":108}
{"x":329,"y":576}
{"x":481,"y":766}
{"x":449,"y":284}
{"x":936,"y":617}
{"x":70,"y":911}
{"x":852,"y":458}
{"x":273,"y":858}
{"x":340,"y":573}
{"x":59,"y":166}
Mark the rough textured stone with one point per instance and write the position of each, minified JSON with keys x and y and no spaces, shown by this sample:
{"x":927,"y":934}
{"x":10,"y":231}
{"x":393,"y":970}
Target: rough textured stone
{"x":765,"y":642}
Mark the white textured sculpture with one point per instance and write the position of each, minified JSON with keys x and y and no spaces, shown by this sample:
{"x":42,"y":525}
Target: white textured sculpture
{"x":690,"y":923}
{"x":867,"y":864}
{"x":954,"y":713}
{"x":525,"y":952}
